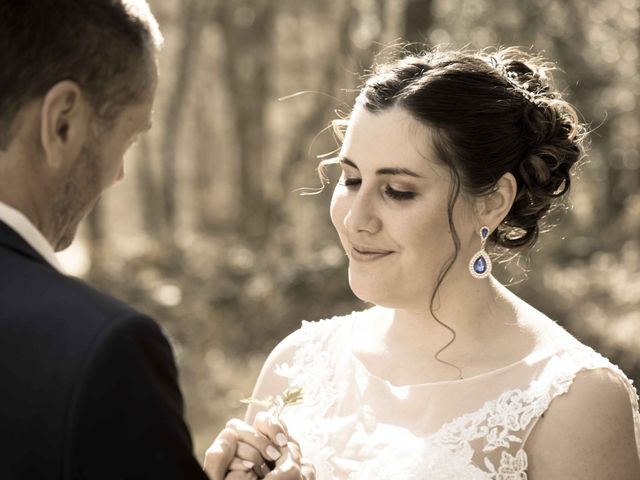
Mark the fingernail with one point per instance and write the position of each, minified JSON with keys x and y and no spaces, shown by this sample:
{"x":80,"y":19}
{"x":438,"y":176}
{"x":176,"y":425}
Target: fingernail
{"x":249,"y":465}
{"x":273,"y":453}
{"x":281,"y":439}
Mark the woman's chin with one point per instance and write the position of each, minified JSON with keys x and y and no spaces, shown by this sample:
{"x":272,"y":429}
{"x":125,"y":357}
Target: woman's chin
{"x":388,"y":295}
{"x":374,"y":294}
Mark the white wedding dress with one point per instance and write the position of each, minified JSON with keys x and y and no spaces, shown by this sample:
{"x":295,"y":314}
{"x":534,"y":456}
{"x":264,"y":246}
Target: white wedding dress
{"x":353,"y":425}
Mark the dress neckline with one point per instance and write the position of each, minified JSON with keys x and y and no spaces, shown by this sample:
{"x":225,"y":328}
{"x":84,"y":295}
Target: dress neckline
{"x":532,"y":357}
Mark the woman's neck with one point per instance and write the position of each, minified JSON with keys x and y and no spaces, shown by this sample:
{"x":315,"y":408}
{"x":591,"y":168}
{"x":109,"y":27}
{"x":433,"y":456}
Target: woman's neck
{"x":493,"y":328}
{"x":480,"y":312}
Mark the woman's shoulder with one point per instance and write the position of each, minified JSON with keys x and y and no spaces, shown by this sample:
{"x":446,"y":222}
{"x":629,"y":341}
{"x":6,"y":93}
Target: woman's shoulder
{"x":575,"y":371}
{"x":598,"y":407}
{"x":564,"y":350}
{"x":574,"y":360}
{"x":301,"y":352}
{"x":306,"y":351}
{"x":571,"y":355}
{"x":310,"y":338}
{"x":591,"y":399}
{"x":320,"y":331}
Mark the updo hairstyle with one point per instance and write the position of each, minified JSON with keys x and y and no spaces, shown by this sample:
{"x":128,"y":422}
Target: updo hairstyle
{"x":492,"y":113}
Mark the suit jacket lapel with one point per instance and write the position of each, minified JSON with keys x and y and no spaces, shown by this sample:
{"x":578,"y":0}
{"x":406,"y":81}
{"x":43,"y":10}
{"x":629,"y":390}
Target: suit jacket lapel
{"x":10,"y":240}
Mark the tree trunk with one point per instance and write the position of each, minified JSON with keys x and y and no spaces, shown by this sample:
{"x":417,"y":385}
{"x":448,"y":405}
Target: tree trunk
{"x":248,"y":33}
{"x":192,"y":26}
{"x":148,"y":191}
{"x":204,"y":198}
{"x":418,"y":20}
{"x":96,"y":237}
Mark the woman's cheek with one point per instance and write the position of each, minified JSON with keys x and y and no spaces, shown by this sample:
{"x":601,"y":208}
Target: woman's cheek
{"x":339,"y":207}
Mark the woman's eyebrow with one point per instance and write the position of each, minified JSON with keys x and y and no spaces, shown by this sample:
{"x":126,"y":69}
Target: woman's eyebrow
{"x":346,"y":161}
{"x":383,"y":171}
{"x":398,"y":171}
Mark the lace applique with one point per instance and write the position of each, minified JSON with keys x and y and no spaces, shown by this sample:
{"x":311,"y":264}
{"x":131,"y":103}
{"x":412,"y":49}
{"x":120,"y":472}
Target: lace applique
{"x":484,"y":444}
{"x":311,"y":369}
{"x":512,"y":467}
{"x":498,"y":421}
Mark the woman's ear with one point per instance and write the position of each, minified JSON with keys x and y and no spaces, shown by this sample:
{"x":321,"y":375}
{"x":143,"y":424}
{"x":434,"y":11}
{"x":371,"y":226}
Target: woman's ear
{"x":492,"y":208}
{"x":65,"y":122}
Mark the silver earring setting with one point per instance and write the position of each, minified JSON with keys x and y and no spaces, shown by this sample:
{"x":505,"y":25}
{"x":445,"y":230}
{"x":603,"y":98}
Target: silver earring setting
{"x":480,"y":264}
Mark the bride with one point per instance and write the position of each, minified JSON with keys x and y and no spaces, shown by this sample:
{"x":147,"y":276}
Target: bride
{"x":448,"y":159}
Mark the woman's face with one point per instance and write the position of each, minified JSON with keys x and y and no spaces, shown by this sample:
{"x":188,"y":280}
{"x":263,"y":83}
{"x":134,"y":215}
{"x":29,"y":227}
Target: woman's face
{"x":390,"y":210}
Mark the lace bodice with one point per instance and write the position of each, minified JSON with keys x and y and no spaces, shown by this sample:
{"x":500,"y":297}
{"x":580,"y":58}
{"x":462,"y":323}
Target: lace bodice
{"x":353,"y":425}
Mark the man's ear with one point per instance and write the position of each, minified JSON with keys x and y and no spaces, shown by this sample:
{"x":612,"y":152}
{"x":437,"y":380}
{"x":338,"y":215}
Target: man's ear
{"x":492,"y":208}
{"x":66,"y":118}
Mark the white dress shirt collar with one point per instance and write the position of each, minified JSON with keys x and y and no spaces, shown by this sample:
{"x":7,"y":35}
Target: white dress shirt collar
{"x":23,"y":227}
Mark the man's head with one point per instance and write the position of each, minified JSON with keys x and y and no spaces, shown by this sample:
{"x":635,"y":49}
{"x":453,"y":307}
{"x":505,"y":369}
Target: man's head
{"x":77,"y":83}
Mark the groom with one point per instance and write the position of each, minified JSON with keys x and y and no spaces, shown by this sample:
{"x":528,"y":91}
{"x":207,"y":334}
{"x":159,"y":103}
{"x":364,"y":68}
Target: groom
{"x":88,"y":385}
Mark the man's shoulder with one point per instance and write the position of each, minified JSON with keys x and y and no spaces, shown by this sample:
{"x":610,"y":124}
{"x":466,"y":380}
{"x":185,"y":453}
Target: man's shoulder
{"x":78,"y":297}
{"x":32,"y":286}
{"x":42,"y":306}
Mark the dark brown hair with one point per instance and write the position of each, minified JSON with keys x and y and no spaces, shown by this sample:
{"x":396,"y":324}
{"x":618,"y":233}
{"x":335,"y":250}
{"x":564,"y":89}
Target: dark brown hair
{"x":102,"y":45}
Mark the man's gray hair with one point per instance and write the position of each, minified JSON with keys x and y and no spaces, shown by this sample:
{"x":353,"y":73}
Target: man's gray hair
{"x":105,"y":46}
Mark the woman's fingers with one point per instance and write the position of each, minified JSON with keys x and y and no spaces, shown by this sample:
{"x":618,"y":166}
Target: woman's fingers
{"x":244,"y":451}
{"x":289,"y":467}
{"x":220,"y":454}
{"x":271,"y":427}
{"x":247,"y":434}
{"x":248,"y":453}
{"x":241,"y":465}
{"x":308,"y":471}
{"x":239,"y":475}
{"x":293,"y":453}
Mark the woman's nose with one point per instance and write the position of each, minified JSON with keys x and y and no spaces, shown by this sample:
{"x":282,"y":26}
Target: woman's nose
{"x":362,"y":215}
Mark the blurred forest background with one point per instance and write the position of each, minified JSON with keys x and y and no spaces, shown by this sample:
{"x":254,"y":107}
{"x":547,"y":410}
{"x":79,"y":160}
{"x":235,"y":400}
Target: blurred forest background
{"x":208,"y":235}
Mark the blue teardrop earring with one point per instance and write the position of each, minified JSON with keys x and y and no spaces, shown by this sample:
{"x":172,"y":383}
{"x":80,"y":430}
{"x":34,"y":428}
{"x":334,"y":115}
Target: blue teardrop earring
{"x":480,"y":264}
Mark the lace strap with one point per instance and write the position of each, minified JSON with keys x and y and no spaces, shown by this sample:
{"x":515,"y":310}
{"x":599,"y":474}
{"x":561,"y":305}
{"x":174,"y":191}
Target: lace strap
{"x":559,"y":384}
{"x":499,"y":429}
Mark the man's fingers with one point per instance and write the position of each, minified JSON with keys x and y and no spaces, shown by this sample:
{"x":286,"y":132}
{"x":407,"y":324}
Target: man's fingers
{"x":220,"y":454}
{"x":247,"y":434}
{"x":270,"y":426}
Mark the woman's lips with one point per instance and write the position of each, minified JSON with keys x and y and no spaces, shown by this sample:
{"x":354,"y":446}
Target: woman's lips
{"x":367,"y":254}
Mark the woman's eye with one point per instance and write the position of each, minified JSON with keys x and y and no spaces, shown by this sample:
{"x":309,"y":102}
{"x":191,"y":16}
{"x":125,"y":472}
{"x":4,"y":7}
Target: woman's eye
{"x":350,"y":182}
{"x":397,"y":194}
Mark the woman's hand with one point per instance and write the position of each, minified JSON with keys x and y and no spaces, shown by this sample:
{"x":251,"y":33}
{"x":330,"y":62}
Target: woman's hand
{"x":258,"y":446}
{"x":242,"y":451}
{"x":220,"y":454}
{"x":263,"y":450}
{"x":290,"y":465}
{"x":227,"y":457}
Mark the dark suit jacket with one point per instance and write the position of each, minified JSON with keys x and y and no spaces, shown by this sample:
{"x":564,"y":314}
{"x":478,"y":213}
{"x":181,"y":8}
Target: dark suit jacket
{"x":88,"y":386}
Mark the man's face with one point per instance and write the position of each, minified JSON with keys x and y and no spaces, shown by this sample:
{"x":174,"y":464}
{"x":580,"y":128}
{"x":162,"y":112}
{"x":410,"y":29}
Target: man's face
{"x":98,"y":167}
